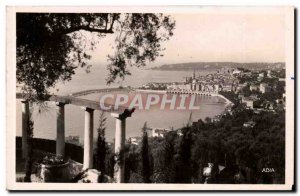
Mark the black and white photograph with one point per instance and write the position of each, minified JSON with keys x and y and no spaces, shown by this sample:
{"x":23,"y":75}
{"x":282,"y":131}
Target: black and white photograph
{"x":150,"y":98}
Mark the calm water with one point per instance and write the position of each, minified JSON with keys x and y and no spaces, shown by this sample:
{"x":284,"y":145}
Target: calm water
{"x":45,"y":119}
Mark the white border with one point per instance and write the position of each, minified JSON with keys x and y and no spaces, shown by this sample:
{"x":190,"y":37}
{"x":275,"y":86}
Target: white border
{"x":11,"y":100}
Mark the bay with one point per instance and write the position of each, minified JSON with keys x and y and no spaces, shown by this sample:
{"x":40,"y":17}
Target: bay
{"x":45,"y":117}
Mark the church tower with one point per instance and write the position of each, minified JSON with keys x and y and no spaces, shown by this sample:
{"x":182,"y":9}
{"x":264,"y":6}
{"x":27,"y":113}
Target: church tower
{"x":194,"y":75}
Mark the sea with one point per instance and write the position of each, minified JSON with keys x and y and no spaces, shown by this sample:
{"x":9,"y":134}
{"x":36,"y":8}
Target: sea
{"x":44,"y":117}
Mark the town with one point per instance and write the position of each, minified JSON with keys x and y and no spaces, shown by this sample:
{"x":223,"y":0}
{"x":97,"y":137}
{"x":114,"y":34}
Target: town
{"x":256,"y":90}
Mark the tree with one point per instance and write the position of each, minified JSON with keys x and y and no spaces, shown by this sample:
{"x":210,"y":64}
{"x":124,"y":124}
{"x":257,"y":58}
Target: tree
{"x":169,"y":151}
{"x":50,"y":46}
{"x":183,"y":158}
{"x":101,"y":147}
{"x":145,"y":156}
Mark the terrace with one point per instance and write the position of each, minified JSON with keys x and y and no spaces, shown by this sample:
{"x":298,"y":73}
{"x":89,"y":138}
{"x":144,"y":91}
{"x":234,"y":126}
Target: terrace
{"x":120,"y":114}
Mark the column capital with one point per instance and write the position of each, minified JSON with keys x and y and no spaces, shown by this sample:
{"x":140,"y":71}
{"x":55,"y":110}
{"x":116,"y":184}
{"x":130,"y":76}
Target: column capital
{"x":60,"y":103}
{"x":24,"y":100}
{"x":87,"y":109}
{"x":127,"y":113}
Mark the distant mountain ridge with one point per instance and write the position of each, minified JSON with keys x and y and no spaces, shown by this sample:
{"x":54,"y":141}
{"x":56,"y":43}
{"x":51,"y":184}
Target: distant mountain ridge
{"x":218,"y":65}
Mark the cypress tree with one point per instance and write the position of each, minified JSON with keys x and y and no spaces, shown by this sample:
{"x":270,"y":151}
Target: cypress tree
{"x":183,"y":157}
{"x":101,"y":147}
{"x":145,"y":155}
{"x":29,"y":157}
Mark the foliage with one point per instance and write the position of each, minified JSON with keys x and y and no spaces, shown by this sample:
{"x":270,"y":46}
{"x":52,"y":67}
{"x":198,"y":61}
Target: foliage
{"x":54,"y":160}
{"x":233,"y":97}
{"x":244,"y":152}
{"x":50,"y":46}
{"x":139,"y":40}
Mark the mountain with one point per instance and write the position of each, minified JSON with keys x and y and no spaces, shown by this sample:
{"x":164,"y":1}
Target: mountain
{"x":218,"y":65}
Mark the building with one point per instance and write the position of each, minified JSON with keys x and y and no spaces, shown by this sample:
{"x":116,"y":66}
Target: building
{"x":249,"y":101}
{"x":253,"y":96}
{"x":279,"y":101}
{"x":261,"y":75}
{"x":216,"y":87}
{"x":269,"y":74}
{"x":240,"y":86}
{"x":158,"y":132}
{"x":178,"y":86}
{"x":179,"y":132}
{"x":216,"y":119}
{"x":249,"y":124}
{"x":135,"y":140}
{"x":236,"y":72}
{"x":268,"y":105}
{"x":72,"y":140}
{"x":254,"y":87}
{"x":264,"y":88}
{"x":241,"y":96}
{"x":227,"y":87}
{"x":281,"y":79}
{"x":209,"y":83}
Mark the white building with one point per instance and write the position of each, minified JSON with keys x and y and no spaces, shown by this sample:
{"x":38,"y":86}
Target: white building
{"x":135,"y":140}
{"x":227,"y":87}
{"x":263,"y":88}
{"x":261,"y":75}
{"x":236,"y":72}
{"x":249,"y":124}
{"x":240,"y":86}
{"x":249,"y":101}
{"x":254,"y":87}
{"x":269,"y":74}
{"x":158,"y":132}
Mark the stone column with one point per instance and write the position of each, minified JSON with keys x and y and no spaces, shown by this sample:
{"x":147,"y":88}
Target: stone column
{"x":119,"y":168}
{"x":88,"y":138}
{"x":60,"y":129}
{"x":25,"y":118}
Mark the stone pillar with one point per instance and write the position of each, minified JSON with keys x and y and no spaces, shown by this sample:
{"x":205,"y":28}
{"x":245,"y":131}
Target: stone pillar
{"x":88,"y":138}
{"x":25,"y":118}
{"x":119,"y":168}
{"x":60,"y":129}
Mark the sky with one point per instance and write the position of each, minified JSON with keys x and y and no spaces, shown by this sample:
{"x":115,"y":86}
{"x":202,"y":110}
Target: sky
{"x":219,"y":37}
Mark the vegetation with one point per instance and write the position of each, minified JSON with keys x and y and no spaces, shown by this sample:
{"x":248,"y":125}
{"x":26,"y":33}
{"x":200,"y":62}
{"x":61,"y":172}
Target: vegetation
{"x":54,"y":160}
{"x":50,"y":46}
{"x":243,"y":151}
{"x":233,"y":97}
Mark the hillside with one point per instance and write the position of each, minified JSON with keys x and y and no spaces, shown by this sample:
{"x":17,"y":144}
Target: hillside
{"x":218,"y":65}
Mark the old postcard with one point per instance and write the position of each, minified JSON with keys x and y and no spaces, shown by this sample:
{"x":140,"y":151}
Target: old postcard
{"x":150,"y":98}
